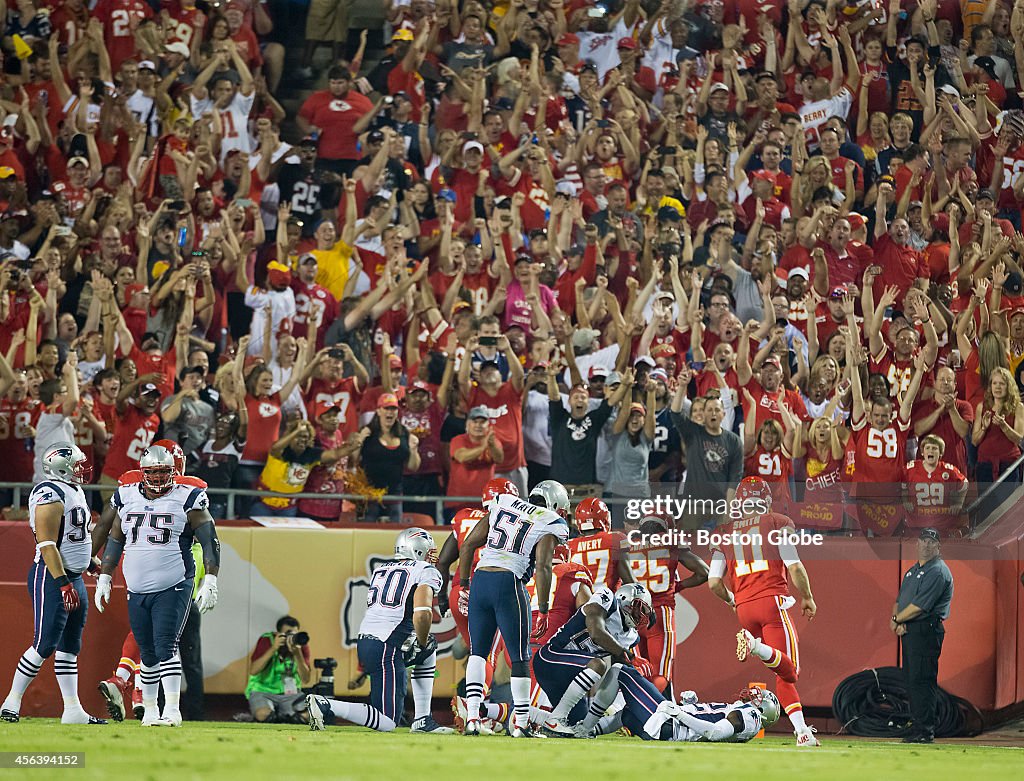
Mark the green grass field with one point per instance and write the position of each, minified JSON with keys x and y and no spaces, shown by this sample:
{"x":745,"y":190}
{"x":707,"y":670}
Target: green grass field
{"x":213,"y":750}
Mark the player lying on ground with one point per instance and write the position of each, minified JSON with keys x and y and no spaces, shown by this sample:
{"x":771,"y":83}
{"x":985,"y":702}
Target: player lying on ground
{"x":400,"y":588}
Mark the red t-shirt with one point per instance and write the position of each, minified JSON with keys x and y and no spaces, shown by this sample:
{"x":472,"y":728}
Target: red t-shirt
{"x":426,"y":426}
{"x":135,"y":432}
{"x":264,"y":427}
{"x":336,"y":118}
{"x":470,"y":478}
{"x":163,"y":363}
{"x":506,"y":410}
{"x":768,"y":403}
{"x":901,"y":266}
{"x":956,"y":447}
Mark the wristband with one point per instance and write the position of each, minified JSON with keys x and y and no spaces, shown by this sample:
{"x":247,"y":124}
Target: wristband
{"x":894,"y":619}
{"x":542,"y":609}
{"x":62,"y":581}
{"x":464,"y":582}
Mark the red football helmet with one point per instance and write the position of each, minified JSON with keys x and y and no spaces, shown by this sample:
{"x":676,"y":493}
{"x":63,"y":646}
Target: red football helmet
{"x":592,"y":516}
{"x":496,"y":488}
{"x":175,"y":450}
{"x":754,"y":489}
{"x":561,"y":554}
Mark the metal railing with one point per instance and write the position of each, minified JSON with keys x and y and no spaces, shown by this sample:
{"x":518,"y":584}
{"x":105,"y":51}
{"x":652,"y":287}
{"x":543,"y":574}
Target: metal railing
{"x":983,"y":498}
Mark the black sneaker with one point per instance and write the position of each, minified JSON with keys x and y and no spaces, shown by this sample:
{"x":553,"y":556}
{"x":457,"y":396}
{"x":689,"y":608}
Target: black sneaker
{"x":9,"y":715}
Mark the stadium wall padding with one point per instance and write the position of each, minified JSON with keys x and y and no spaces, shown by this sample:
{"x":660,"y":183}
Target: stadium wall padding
{"x":320,"y":577}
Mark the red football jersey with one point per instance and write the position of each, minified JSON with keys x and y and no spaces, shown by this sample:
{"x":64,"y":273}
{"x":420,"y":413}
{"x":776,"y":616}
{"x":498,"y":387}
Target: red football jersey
{"x":462,"y":524}
{"x":750,"y":573}
{"x":874,"y":456}
{"x":931,"y":493}
{"x":599,"y":553}
{"x":16,"y":421}
{"x":566,"y":579}
{"x":134,"y":433}
{"x":774,"y":467}
{"x":657,"y":569}
{"x":343,"y":393}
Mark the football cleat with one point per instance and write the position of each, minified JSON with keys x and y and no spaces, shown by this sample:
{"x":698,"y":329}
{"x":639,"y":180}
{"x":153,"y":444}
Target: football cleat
{"x":557,"y":728}
{"x":10,"y":715}
{"x":80,"y":717}
{"x":746,"y":645}
{"x":426,"y":724}
{"x":318,"y":709}
{"x":137,"y":707}
{"x":151,"y":720}
{"x":476,"y":727}
{"x":668,"y":708}
{"x":805,"y":738}
{"x":460,"y":712}
{"x":494,"y":726}
{"x":581,"y":732}
{"x":173,"y":719}
{"x":114,"y":692}
{"x":524,"y":732}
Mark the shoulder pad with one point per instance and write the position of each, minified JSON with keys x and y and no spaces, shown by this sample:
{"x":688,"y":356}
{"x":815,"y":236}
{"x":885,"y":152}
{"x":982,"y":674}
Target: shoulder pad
{"x":190,"y":481}
{"x":130,"y":477}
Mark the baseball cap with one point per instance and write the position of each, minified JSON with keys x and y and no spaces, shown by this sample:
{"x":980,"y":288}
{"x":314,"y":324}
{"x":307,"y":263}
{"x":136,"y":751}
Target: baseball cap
{"x":403,"y":35}
{"x":503,"y":104}
{"x":719,"y":85}
{"x":949,"y":89}
{"x":613,"y":378}
{"x":929,"y":534}
{"x":178,"y":48}
{"x":567,"y":39}
{"x":447,"y":194}
{"x":191,"y":370}
{"x":662,"y":351}
{"x":7,"y":172}
{"x":856,"y":221}
{"x":375,"y":137}
{"x":147,"y":388}
{"x":565,"y":188}
{"x":419,"y":385}
{"x":986,"y":193}
{"x":147,"y":65}
{"x":768,"y":176}
{"x":576,"y":249}
{"x":645,"y":360}
{"x":626,"y":43}
{"x":583,"y":337}
{"x":636,"y":406}
{"x":597,"y":371}
{"x":78,"y":160}
{"x":940,"y":222}
{"x":307,"y":257}
{"x":839,"y":291}
{"x":669,"y":213}
{"x":322,"y":410}
{"x":799,"y":271}
{"x":309,"y":141}
{"x":659,"y":374}
{"x":479,"y":412}
{"x":470,"y":145}
{"x":771,"y":360}
{"x":387,"y":400}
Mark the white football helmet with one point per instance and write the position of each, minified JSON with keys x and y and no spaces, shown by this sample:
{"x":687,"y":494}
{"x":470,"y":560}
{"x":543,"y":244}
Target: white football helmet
{"x":415,"y":544}
{"x":766,"y":702}
{"x":66,"y":462}
{"x":636,"y":605}
{"x":158,"y":469}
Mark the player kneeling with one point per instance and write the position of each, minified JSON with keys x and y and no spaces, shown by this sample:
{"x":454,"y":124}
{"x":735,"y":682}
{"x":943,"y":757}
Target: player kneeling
{"x":403,"y":587}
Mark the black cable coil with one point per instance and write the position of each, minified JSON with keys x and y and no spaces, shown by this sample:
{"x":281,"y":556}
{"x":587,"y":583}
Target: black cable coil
{"x":875,"y":703}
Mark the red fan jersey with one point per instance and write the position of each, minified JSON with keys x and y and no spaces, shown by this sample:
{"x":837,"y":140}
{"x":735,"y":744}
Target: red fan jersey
{"x":750,"y":573}
{"x":877,"y":456}
{"x":774,"y":467}
{"x":658,"y":570}
{"x":566,"y":579}
{"x":134,"y":433}
{"x":599,"y":553}
{"x":17,"y":419}
{"x":343,"y":393}
{"x":462,"y":524}
{"x":932,"y":493}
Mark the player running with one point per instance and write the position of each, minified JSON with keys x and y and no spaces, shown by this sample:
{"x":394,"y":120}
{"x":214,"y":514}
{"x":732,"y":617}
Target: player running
{"x":760,"y":596}
{"x":658,"y":568}
{"x":519,"y":536}
{"x":158,"y":519}
{"x":588,"y":651}
{"x":598,"y":548}
{"x":118,"y":688}
{"x":400,"y":601}
{"x":58,"y":513}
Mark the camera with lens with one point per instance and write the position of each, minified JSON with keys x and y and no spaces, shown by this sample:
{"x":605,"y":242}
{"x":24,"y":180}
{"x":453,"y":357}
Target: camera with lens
{"x":325,"y":686}
{"x":297,"y":638}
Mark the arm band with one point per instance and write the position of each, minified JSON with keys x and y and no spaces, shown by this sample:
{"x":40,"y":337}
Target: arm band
{"x":112,"y":553}
{"x":44,"y":543}
{"x":788,"y":554}
{"x":423,"y":609}
{"x":207,"y":536}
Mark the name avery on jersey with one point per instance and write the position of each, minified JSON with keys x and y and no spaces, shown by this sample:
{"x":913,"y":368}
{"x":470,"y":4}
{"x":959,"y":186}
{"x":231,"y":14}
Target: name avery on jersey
{"x":705,"y":537}
{"x":671,"y":507}
{"x":353,"y":608}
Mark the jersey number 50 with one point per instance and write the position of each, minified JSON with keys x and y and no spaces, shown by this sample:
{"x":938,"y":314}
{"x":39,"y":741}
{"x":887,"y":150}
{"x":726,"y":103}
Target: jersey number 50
{"x":387,"y":587}
{"x":509,"y":532}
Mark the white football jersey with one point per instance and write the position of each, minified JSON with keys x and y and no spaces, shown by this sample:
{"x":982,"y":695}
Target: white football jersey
{"x":713,"y":712}
{"x":73,"y":539}
{"x":157,"y":534}
{"x":516,"y":526}
{"x":389,"y":600}
{"x":574,"y":635}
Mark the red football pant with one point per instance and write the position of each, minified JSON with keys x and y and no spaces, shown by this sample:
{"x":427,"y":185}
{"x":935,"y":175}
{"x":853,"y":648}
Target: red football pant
{"x":130,"y":656}
{"x":767,"y":619}
{"x":658,"y":643}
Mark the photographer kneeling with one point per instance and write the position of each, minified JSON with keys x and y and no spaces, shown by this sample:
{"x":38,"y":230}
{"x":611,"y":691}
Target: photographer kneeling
{"x":278,"y":669}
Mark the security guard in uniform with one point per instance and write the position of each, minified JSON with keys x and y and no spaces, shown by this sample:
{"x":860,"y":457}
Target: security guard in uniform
{"x":920,"y":609}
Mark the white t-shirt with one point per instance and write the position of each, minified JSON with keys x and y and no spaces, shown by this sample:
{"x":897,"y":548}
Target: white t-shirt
{"x":234,"y":120}
{"x":53,"y":427}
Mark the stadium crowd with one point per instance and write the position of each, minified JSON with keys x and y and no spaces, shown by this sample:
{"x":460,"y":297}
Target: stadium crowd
{"x":613,"y":244}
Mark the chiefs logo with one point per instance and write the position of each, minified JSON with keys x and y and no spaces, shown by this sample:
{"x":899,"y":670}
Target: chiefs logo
{"x":340,"y":105}
{"x":354,"y":608}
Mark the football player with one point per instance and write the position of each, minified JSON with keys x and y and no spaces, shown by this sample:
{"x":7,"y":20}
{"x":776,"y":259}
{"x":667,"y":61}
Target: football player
{"x":158,"y":519}
{"x":647,"y":715}
{"x":399,"y":602}
{"x":118,"y":687}
{"x":590,"y":649}
{"x":598,"y":548}
{"x":658,"y":568}
{"x":760,"y":596}
{"x":518,"y":538}
{"x":59,"y":516}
